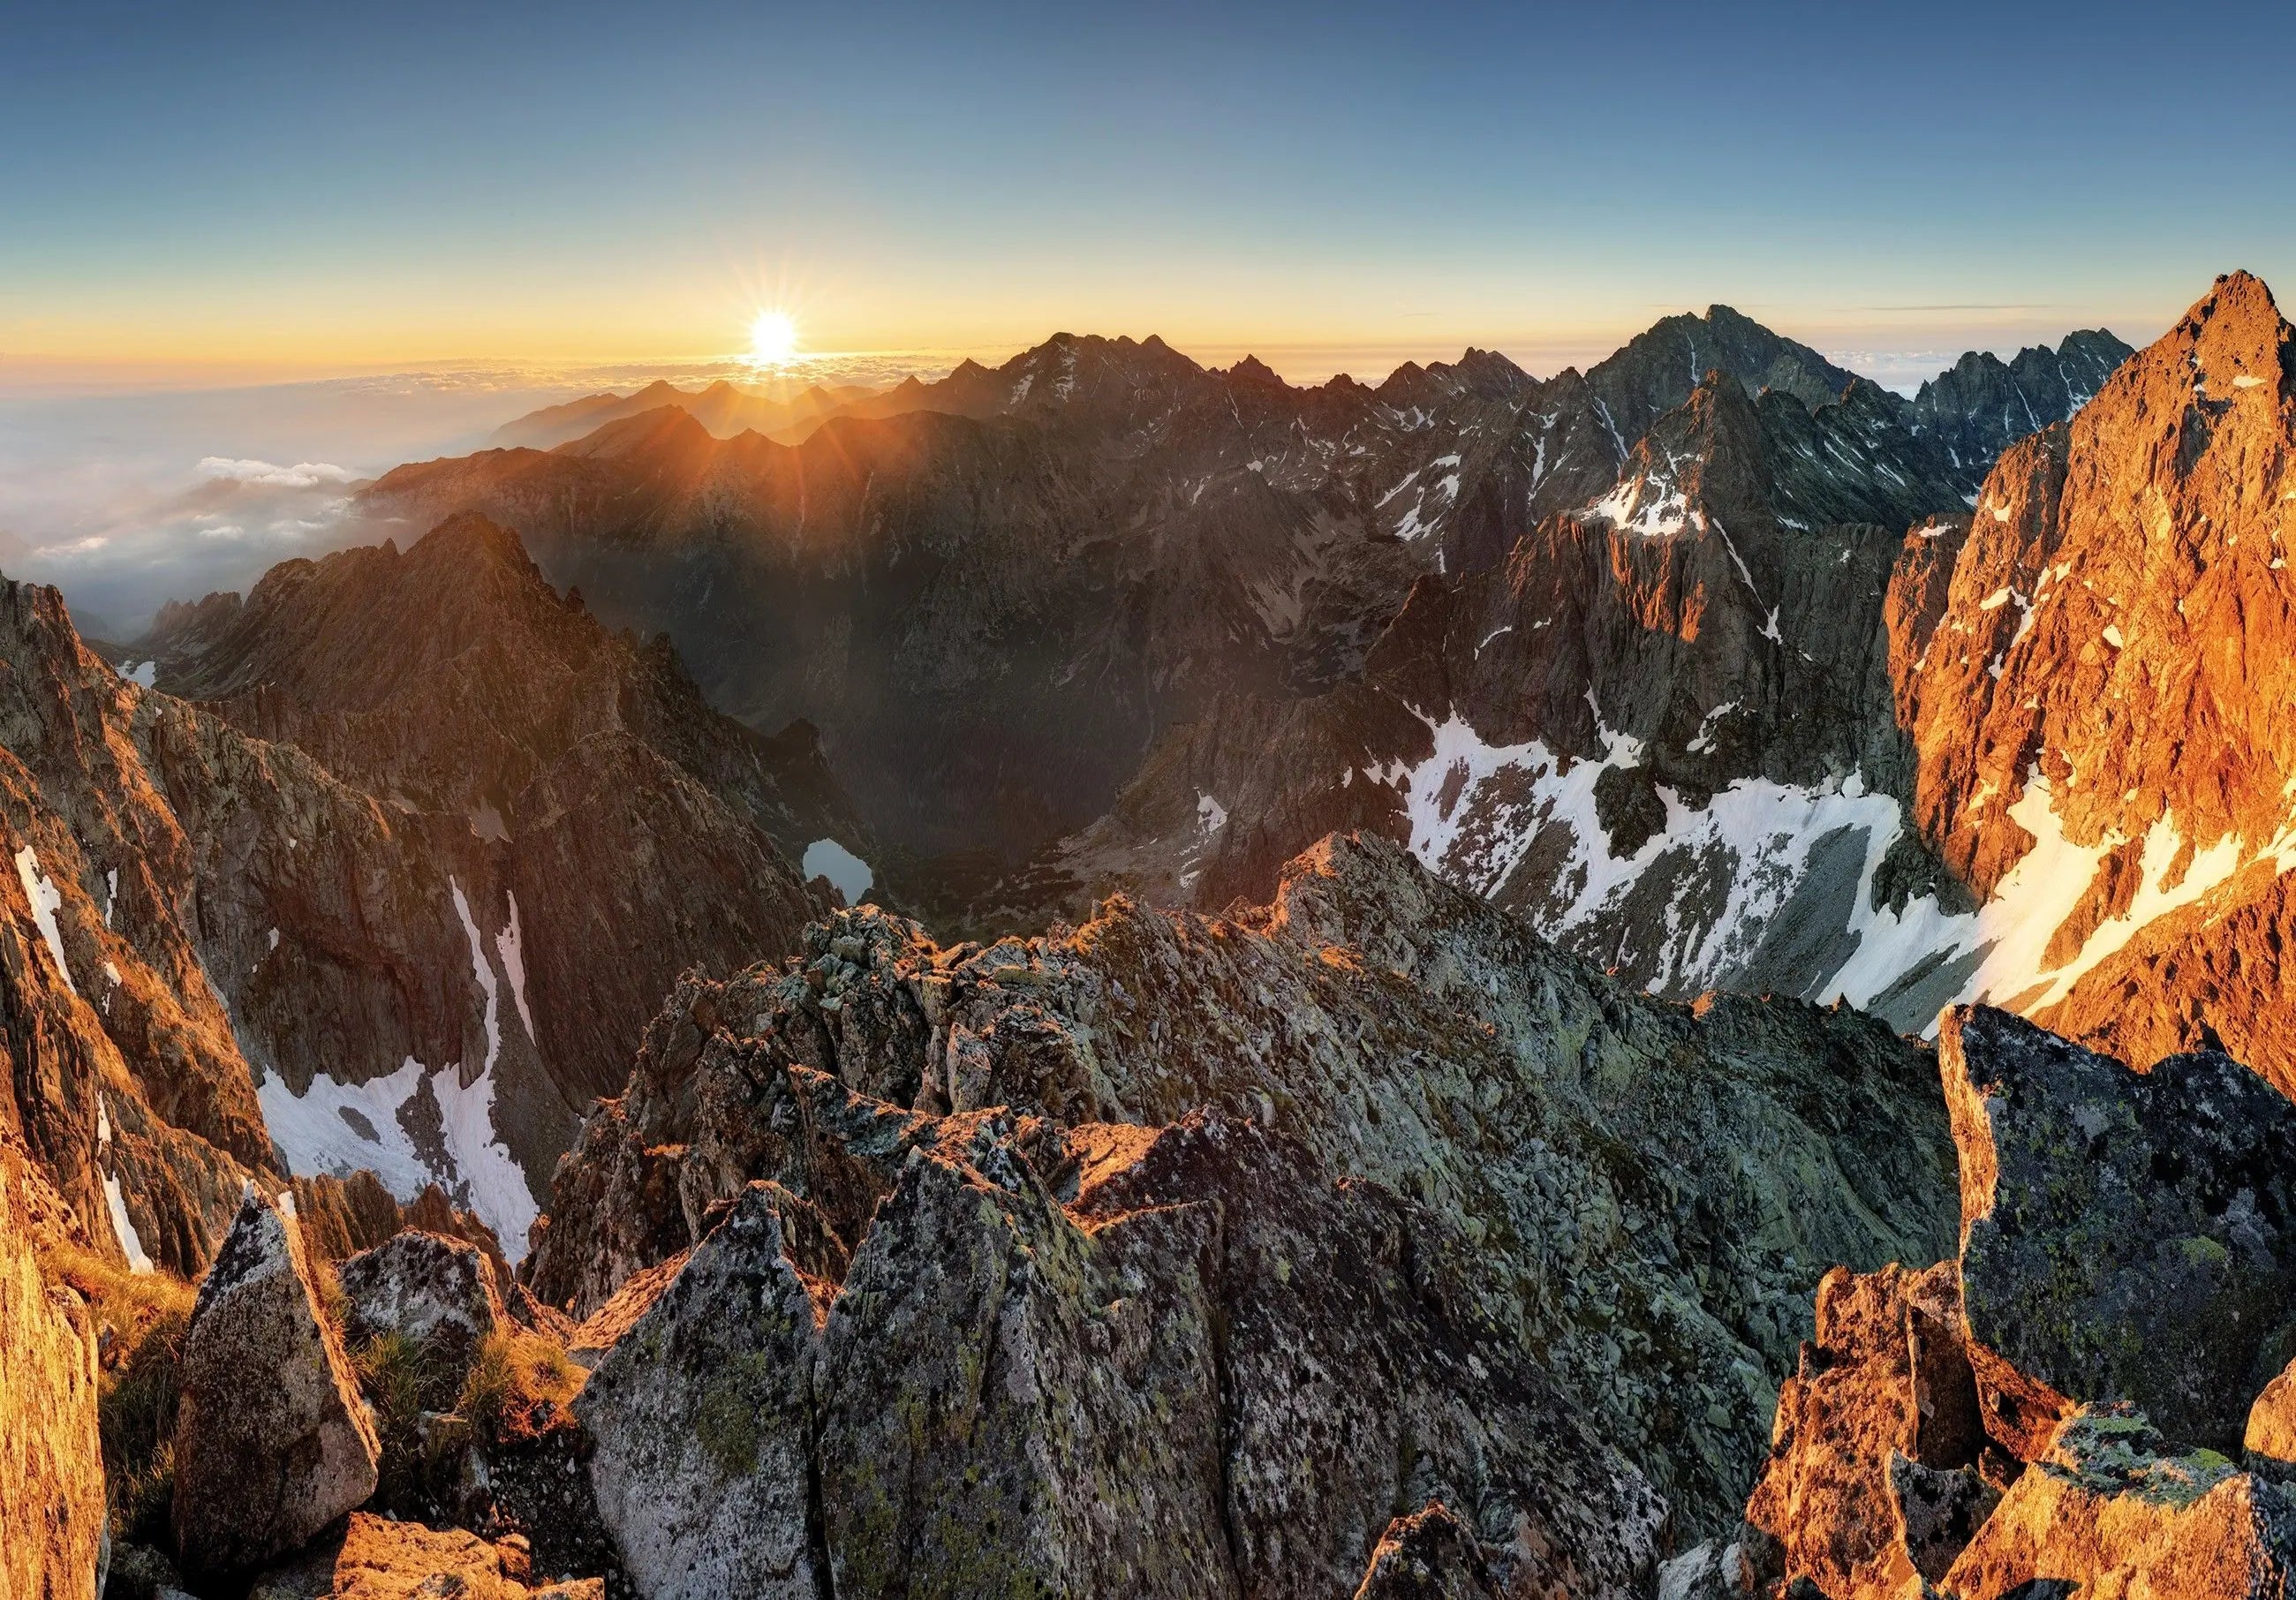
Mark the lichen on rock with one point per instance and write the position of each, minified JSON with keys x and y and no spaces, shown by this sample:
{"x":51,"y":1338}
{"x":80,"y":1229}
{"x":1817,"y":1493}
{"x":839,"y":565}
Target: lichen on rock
{"x":273,"y":1441}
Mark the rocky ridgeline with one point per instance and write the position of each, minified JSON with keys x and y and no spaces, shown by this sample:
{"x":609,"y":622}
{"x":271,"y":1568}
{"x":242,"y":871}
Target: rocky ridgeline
{"x":2096,"y":1398}
{"x":1356,"y":1242}
{"x":1502,"y":1121}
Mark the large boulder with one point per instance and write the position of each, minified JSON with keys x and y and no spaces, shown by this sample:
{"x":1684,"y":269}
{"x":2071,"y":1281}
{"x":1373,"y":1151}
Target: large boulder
{"x":436,"y":1293}
{"x":1013,"y":1402}
{"x":1872,"y":1483}
{"x":2124,"y":1236}
{"x":273,"y":1442}
{"x":2109,"y":1509}
{"x":2269,"y":1440}
{"x":700,"y":1413}
{"x":51,"y":1509}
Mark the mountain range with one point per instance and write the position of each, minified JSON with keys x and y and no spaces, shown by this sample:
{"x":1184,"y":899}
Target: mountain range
{"x":1104,"y":975}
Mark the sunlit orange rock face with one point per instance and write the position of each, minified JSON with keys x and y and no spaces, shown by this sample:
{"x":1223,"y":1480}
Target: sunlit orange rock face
{"x":1872,"y":1483}
{"x":2115,"y":628}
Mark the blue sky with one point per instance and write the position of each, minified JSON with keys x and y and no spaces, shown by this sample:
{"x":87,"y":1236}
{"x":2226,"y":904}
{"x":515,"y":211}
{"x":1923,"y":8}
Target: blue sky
{"x":255,"y":190}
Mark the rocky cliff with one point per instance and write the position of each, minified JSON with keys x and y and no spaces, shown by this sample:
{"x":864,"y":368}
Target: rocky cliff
{"x":397,"y":898}
{"x":53,"y":1539}
{"x":2096,"y":699}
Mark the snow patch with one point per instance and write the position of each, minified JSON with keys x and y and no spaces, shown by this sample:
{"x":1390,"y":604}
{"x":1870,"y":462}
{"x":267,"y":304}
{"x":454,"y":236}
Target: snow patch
{"x":1651,"y":504}
{"x":45,"y":899}
{"x":1476,"y":810}
{"x":511,"y":946}
{"x":338,"y":1127}
{"x":123,"y":1227}
{"x":483,"y":975}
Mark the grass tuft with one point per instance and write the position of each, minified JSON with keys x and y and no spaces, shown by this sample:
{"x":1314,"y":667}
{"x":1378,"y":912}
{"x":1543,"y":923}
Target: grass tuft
{"x":517,"y":1380}
{"x":141,"y":1317}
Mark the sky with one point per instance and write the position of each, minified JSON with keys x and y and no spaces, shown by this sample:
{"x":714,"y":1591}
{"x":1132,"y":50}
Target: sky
{"x":251,"y":255}
{"x":235,"y":193}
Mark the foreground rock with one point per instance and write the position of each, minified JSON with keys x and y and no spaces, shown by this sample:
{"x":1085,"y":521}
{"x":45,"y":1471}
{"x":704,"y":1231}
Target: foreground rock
{"x":701,"y":1416}
{"x":1872,"y":1483}
{"x":51,"y":1503}
{"x":1400,"y":1031}
{"x":273,"y":1442}
{"x":2112,"y":1509}
{"x":2124,"y":1236}
{"x":1013,"y":1402}
{"x":435,"y":1292}
{"x":1980,"y":1430}
{"x":1173,"y":1362}
{"x":1366,"y":1363}
{"x":403,"y":1560}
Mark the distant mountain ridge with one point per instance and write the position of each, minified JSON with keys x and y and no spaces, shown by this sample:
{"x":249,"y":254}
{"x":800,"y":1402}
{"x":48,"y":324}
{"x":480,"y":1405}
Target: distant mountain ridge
{"x":992,"y":593}
{"x":724,"y":407}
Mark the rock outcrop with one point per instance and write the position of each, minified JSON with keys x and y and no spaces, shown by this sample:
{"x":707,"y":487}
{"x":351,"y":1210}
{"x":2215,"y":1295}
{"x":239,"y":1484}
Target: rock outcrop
{"x":273,"y":1442}
{"x":383,"y":1560}
{"x":1403,"y":1033}
{"x":1873,"y":1486}
{"x":2124,"y":1236}
{"x":53,"y":1539}
{"x":702,"y":1418}
{"x":438,"y":1295}
{"x":2112,"y":1509}
{"x":1987,"y":1428}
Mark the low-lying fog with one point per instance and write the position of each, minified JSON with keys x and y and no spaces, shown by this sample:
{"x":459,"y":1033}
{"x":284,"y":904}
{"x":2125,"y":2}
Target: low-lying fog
{"x":128,"y":500}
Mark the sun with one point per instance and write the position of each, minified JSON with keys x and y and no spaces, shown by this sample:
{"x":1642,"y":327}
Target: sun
{"x":773,"y":337}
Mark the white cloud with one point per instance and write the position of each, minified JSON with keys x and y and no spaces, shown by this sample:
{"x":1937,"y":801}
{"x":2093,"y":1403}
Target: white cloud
{"x":304,"y":474}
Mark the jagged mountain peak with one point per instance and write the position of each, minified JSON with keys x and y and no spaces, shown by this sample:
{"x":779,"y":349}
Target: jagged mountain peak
{"x":1982,"y":405}
{"x":1706,"y":449}
{"x":2233,"y":337}
{"x":1658,"y":368}
{"x":1252,"y":370}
